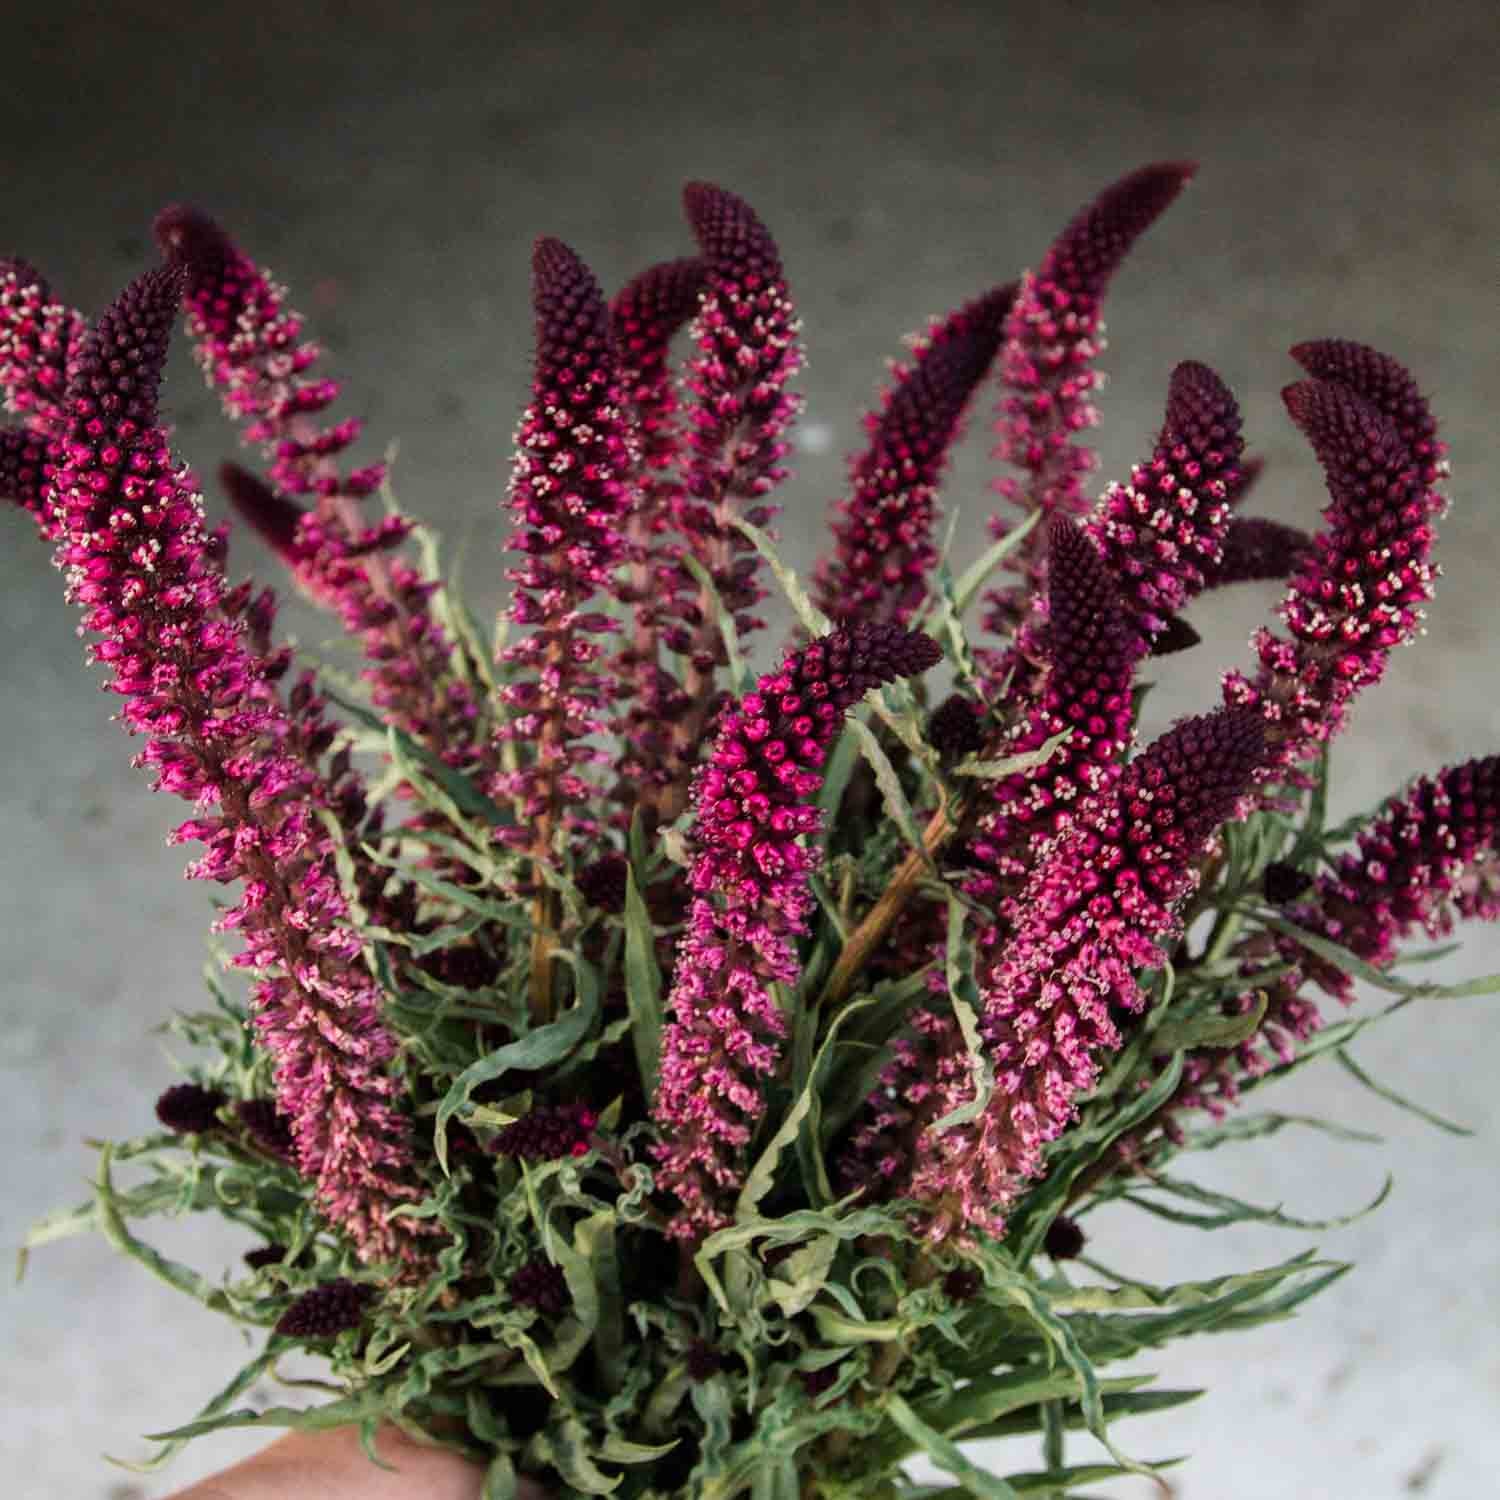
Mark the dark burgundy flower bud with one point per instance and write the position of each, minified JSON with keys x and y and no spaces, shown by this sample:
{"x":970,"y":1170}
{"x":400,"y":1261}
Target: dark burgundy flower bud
{"x":326,"y":1310}
{"x":267,"y":1127}
{"x":548,"y":1133}
{"x":954,"y":729}
{"x":962,"y":1284}
{"x":1285,"y":883}
{"x":1064,"y":1239}
{"x":190,"y":1109}
{"x":602,"y":883}
{"x":541,"y":1285}
{"x":703,"y":1360}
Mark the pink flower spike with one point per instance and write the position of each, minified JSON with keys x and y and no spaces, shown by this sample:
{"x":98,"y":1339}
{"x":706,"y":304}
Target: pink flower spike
{"x":1093,"y":646}
{"x":1090,"y":917}
{"x":1164,"y":531}
{"x":251,"y":349}
{"x":1431,"y":853}
{"x":645,"y":316}
{"x":1053,"y":336}
{"x":883,"y":534}
{"x":572,"y":491}
{"x":39,"y":340}
{"x":1360,"y":589}
{"x":192,"y":665}
{"x":739,"y":416}
{"x":754,"y":806}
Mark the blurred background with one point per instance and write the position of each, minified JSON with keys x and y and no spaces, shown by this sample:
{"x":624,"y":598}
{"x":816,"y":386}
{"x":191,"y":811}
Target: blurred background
{"x":392,"y":163}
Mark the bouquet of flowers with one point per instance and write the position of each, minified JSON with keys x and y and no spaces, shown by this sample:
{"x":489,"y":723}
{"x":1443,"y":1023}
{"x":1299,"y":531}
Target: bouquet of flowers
{"x":661,"y":1078}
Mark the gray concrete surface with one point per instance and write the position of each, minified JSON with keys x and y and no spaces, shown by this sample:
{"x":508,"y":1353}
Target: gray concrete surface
{"x":393,"y":162}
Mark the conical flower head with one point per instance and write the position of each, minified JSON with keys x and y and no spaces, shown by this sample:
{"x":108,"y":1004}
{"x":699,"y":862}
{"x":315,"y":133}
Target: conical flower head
{"x":739,"y":412}
{"x":326,"y":1310}
{"x":1052,"y":338}
{"x":1388,"y":386}
{"x":1360,"y":589}
{"x":1090,"y":917}
{"x":883,"y":534}
{"x":1164,"y":530}
{"x":571,"y":491}
{"x":1093,"y":645}
{"x":251,"y":348}
{"x":751,"y":902}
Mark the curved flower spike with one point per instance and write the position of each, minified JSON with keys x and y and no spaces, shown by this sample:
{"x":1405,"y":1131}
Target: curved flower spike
{"x":883,"y":534}
{"x":179,"y":648}
{"x":1052,"y":337}
{"x":250,"y":347}
{"x":1093,"y":646}
{"x":1360,"y":590}
{"x":645,"y":316}
{"x":747,"y":351}
{"x":1388,"y":386}
{"x":1091,"y":915}
{"x":39,"y":339}
{"x":571,"y":492}
{"x":751,"y":899}
{"x":1432,"y":851}
{"x":1165,"y":530}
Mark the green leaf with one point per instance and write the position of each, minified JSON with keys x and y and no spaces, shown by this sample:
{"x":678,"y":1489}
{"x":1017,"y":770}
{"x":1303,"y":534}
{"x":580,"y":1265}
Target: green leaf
{"x":1382,"y":979}
{"x":1009,"y":765}
{"x":890,"y":786}
{"x":642,"y":984}
{"x":537,"y":1049}
{"x":963,"y":995}
{"x":1399,"y":1100}
{"x":174,"y":1273}
{"x":974,"y":577}
{"x":763,"y":1173}
{"x":1184,"y":1033}
{"x":1269,"y":1122}
{"x":1232,"y":1210}
{"x":811,"y":618}
{"x":837,"y":770}
{"x":945,"y":1453}
{"x":740,"y":676}
{"x":456,"y":789}
{"x":242,"y":1382}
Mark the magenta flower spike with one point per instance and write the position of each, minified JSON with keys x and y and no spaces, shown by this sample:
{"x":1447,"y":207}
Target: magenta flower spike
{"x":1165,"y":530}
{"x":883,"y":534}
{"x":1093,"y":645}
{"x":250,"y":348}
{"x":39,"y":338}
{"x":1388,"y":386}
{"x":645,"y":316}
{"x":738,"y":419}
{"x":1359,"y":592}
{"x":1091,"y":915}
{"x":572,"y":492}
{"x":149,"y":578}
{"x":1052,"y":338}
{"x":1431,"y":853}
{"x":750,"y":903}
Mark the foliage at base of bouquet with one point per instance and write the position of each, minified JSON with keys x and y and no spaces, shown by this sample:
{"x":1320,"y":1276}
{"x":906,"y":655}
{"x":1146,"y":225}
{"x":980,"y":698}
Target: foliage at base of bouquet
{"x":661,"y":1079}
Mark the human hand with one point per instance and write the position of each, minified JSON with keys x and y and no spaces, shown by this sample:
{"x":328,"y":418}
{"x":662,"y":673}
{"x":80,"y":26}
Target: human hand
{"x":332,"y":1466}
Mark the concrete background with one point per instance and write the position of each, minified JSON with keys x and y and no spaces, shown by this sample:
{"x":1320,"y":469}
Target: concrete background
{"x":393,"y":162}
